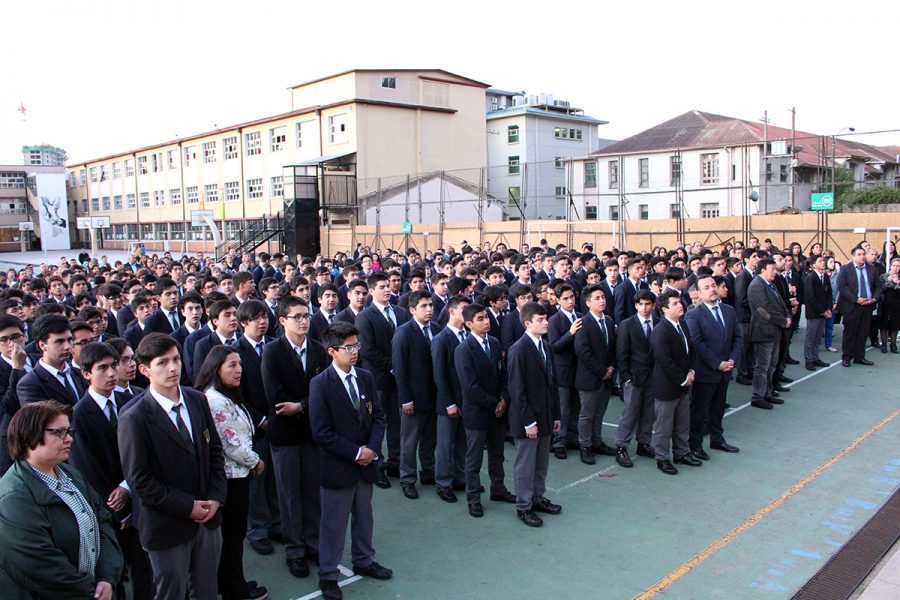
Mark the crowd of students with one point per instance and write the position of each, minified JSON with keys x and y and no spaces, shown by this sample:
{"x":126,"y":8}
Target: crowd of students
{"x":184,"y":406}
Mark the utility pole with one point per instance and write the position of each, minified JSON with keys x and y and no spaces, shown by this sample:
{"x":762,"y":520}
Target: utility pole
{"x":793,"y":153}
{"x":765,"y":121}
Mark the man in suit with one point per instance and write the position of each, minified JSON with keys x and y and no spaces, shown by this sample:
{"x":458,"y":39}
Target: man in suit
{"x":415,"y":283}
{"x":717,"y":346}
{"x":671,"y":382}
{"x":609,"y":286}
{"x":327,"y":295}
{"x":142,"y":309}
{"x":769,"y":317}
{"x":376,"y":325}
{"x":742,"y":310}
{"x":624,"y":299}
{"x":348,"y":425}
{"x":190,"y":305}
{"x":495,"y":299}
{"x":288,"y":365}
{"x":15,"y":364}
{"x":561,"y":335}
{"x":109,"y":300}
{"x":172,"y":459}
{"x":96,"y":418}
{"x":223,"y":316}
{"x":125,"y":316}
{"x":413,"y":372}
{"x":53,"y":378}
{"x":190,"y":342}
{"x":859,"y":290}
{"x":356,"y":293}
{"x":166,"y":318}
{"x":450,"y":455}
{"x":263,"y":268}
{"x":534,"y":413}
{"x":482,"y":381}
{"x":511,"y":329}
{"x":634,"y":362}
{"x":817,"y":305}
{"x":439,"y":292}
{"x":271,"y":295}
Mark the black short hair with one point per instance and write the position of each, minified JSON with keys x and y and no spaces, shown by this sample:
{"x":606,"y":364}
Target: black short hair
{"x":286,"y":304}
{"x":455,"y":301}
{"x":587,"y":292}
{"x":375,"y":278}
{"x":530,"y":310}
{"x":518,"y":290}
{"x":493,"y":293}
{"x":165,"y":283}
{"x":139,"y":300}
{"x":265,"y":282}
{"x":642,"y":295}
{"x":336,"y":333}
{"x":326,"y":287}
{"x":418,"y":296}
{"x":471,"y":310}
{"x":218,"y":308}
{"x":11,"y":321}
{"x":94,"y":353}
{"x":251,"y":310}
{"x":674,"y":274}
{"x":664,"y":297}
{"x":457,"y":285}
{"x":90,"y":312}
{"x":764,"y":263}
{"x":357,"y":283}
{"x":47,"y":325}
{"x":188,"y":298}
{"x":153,"y":346}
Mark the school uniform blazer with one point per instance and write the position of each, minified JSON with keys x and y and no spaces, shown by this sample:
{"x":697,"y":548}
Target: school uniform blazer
{"x":596,"y":353}
{"x":252,"y":385}
{"x":376,"y":336}
{"x":482,"y":382}
{"x":124,"y":318}
{"x":742,"y":283}
{"x":671,"y":361}
{"x":496,"y":325}
{"x":190,"y":343}
{"x":443,"y":366}
{"x":711,"y":346}
{"x":318,"y":323}
{"x":134,"y":334}
{"x":563,"y":344}
{"x":164,"y":471}
{"x":816,"y":295}
{"x":624,"y":299}
{"x":9,"y":405}
{"x":634,"y":354}
{"x":533,"y":390}
{"x":202,"y":349}
{"x":610,"y":293}
{"x":158,"y":322}
{"x":41,"y":385}
{"x":340,"y":430}
{"x":770,"y":314}
{"x":511,"y":329}
{"x":438,"y":303}
{"x":112,"y":326}
{"x":347,"y":316}
{"x":413,"y":370}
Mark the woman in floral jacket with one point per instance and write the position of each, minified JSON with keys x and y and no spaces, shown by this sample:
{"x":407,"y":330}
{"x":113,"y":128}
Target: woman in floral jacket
{"x":220,"y":380}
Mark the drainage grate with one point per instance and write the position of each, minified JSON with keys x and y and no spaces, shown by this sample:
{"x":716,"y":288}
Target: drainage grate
{"x":843,"y":573}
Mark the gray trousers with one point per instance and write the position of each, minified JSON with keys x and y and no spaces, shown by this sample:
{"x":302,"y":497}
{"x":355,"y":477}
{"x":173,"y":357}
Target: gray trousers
{"x":189,"y":567}
{"x":450,"y":456}
{"x":590,"y":418}
{"x":815,"y":329}
{"x":337,"y":508}
{"x":418,"y":433}
{"x":672,"y":425}
{"x":263,"y":519}
{"x":745,"y":368}
{"x":297,"y":477}
{"x":494,"y":436}
{"x":764,"y":368}
{"x":391,"y":406}
{"x":530,"y":469}
{"x":569,"y":409}
{"x":637,"y":415}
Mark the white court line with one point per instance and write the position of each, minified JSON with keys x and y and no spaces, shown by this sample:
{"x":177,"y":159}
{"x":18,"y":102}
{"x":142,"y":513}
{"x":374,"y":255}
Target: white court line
{"x":584,"y":479}
{"x":345,"y":572}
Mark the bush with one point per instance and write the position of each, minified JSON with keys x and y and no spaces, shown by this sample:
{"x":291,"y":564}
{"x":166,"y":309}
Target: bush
{"x":875,"y":195}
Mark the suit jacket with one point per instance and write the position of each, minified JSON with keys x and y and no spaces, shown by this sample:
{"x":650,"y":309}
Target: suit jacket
{"x":438,"y":304}
{"x":285,"y":380}
{"x":9,"y":405}
{"x":190,"y":343}
{"x":848,"y":287}
{"x":112,"y":325}
{"x":182,"y":333}
{"x":159,"y":322}
{"x":610,"y":299}
{"x":134,"y":334}
{"x":729,"y":283}
{"x":443,"y":366}
{"x":711,"y":346}
{"x":347,"y":316}
{"x":164,"y":471}
{"x":413,"y":369}
{"x":340,"y":430}
{"x":274,"y":325}
{"x":41,"y":385}
{"x":376,"y":335}
{"x":634,"y":353}
{"x":482,"y":382}
{"x":533,"y":389}
{"x":496,"y":325}
{"x":202,"y":348}
{"x":511,"y":329}
{"x":671,"y":361}
{"x":596,"y":353}
{"x":816,"y":295}
{"x":563,"y":344}
{"x":769,"y":313}
{"x":252,"y":385}
{"x":624,"y":299}
{"x":742,"y":283}
{"x":124,"y":319}
{"x":318,"y":323}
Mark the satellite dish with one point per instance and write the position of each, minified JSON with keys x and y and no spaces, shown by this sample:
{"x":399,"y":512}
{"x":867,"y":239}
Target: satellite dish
{"x":754,"y":195}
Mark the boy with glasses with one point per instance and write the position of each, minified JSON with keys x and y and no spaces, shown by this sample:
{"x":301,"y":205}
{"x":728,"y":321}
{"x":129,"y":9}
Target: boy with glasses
{"x":15,"y":364}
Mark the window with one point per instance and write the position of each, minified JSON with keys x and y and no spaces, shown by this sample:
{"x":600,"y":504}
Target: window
{"x":209,"y":152}
{"x":132,"y":231}
{"x":613,"y":174}
{"x":644,"y":211}
{"x":161,"y":231}
{"x":674,"y":211}
{"x":590,"y":174}
{"x":93,"y":174}
{"x":709,"y":169}
{"x":175,"y":196}
{"x":118,"y":232}
{"x":130,"y":201}
{"x":513,"y":165}
{"x":159,"y":198}
{"x":176,"y":231}
{"x":782,"y":173}
{"x":709,"y":210}
{"x":15,"y":180}
{"x":142,"y":165}
{"x":106,"y":204}
{"x":277,"y":138}
{"x":129,"y":168}
{"x":190,"y":155}
{"x":34,"y":157}
{"x":82,"y":175}
{"x":254,"y":189}
{"x":337,"y":129}
{"x":515,"y":194}
{"x":560,"y":191}
{"x":84,"y":205}
{"x":191,"y":195}
{"x":768,"y":171}
{"x":211,"y":192}
{"x":104,"y":173}
{"x":95,"y":204}
{"x":644,"y":170}
{"x":435,"y":93}
{"x":614,"y":212}
{"x":253,"y":142}
{"x":146,"y":231}
{"x":277,"y":187}
{"x":172,"y":159}
{"x":389,"y":81}
{"x":117,"y":170}
{"x":233,"y":190}
{"x":229,"y":149}
{"x":117,"y":202}
{"x":512,"y":134}
{"x":157,"y":162}
{"x":674,"y":170}
{"x":197,"y":232}
{"x":560,"y":163}
{"x":590,"y":213}
{"x":299,"y":135}
{"x":564,"y":133}
{"x":145,"y":199}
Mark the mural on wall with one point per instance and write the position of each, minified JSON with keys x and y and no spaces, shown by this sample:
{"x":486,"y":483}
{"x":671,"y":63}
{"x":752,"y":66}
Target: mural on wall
{"x":53,"y":212}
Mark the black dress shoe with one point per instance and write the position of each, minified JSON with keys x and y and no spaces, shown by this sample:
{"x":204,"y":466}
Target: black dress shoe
{"x":727,"y":406}
{"x":409,"y":490}
{"x":544,"y":505}
{"x":700,"y":453}
{"x":476,"y":510}
{"x":427,"y":479}
{"x":783,"y":379}
{"x":529,"y":518}
{"x":810,"y":366}
{"x":383,"y":482}
{"x":762,"y":404}
{"x":645,"y":450}
{"x":572,"y":446}
{"x":725,"y":447}
{"x":780,"y":388}
{"x":622,"y":457}
{"x":330,"y":590}
{"x":790,"y":361}
{"x":666,"y":467}
{"x":863,"y":361}
{"x":821,"y":363}
{"x":775,"y":394}
{"x":884,"y":349}
{"x":775,"y":399}
{"x":845,"y":363}
{"x":373,"y":570}
{"x":744,"y":380}
{"x":505,"y":496}
{"x":689,"y":460}
{"x":587,"y":456}
{"x":257,"y":592}
{"x":604,"y":450}
{"x":263,"y":546}
{"x":298,"y":567}
{"x":446,"y":494}
{"x":311,"y":557}
{"x":560,"y":453}
{"x":894,"y":348}
{"x":392,"y":471}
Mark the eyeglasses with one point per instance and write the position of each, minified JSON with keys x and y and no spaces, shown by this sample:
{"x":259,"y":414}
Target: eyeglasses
{"x":18,"y":337}
{"x":298,"y":317}
{"x":61,"y":432}
{"x":352,"y":349}
{"x":126,"y":361}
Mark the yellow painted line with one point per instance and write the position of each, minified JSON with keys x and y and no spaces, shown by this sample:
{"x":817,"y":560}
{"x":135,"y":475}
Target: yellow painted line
{"x":758,"y":516}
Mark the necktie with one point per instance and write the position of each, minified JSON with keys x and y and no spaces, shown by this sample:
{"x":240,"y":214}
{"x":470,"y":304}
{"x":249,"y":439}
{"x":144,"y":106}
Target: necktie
{"x":229,"y":342}
{"x":647,"y":327}
{"x":602,"y":322}
{"x":354,"y":397}
{"x":543,"y":354}
{"x":426,"y":333}
{"x":863,"y":288}
{"x":259,"y":349}
{"x":389,"y":316}
{"x":68,"y":386}
{"x":182,"y":428}
{"x":331,"y":318}
{"x":174,"y":321}
{"x":822,"y":279}
{"x":300,"y":353}
{"x":487,"y":347}
{"x":572,"y":318}
{"x":719,"y":318}
{"x":462,"y":335}
{"x":113,"y":418}
{"x":683,"y":339}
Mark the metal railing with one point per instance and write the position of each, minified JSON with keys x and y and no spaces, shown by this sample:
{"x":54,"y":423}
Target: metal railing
{"x":252,"y":234}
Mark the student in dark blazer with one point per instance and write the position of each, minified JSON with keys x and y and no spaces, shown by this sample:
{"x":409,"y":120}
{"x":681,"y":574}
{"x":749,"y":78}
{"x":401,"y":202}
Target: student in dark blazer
{"x":817,"y":306}
{"x":348,"y":425}
{"x":14,"y":365}
{"x":52,"y":378}
{"x":561,"y":335}
{"x":634,"y":361}
{"x":495,"y":299}
{"x":718,"y":345}
{"x":328,"y":303}
{"x":856,"y":303}
{"x":769,"y":318}
{"x":624,"y":297}
{"x":609,"y":285}
{"x":482,"y":380}
{"x":512,"y":329}
{"x":190,"y":305}
{"x":742,"y":310}
{"x":533,"y":414}
{"x":289,"y":363}
{"x":595,"y":346}
{"x":672,"y":378}
{"x":376,"y":325}
{"x":166,"y":319}
{"x":190,"y":343}
{"x":357,"y":292}
{"x":172,"y":460}
{"x":223,"y":316}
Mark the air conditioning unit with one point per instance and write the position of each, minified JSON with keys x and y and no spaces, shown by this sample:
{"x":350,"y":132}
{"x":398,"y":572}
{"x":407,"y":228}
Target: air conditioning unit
{"x":562,"y":103}
{"x":779,"y":147}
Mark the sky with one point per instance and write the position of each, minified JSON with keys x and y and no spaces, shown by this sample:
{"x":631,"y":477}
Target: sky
{"x":100,"y":77}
